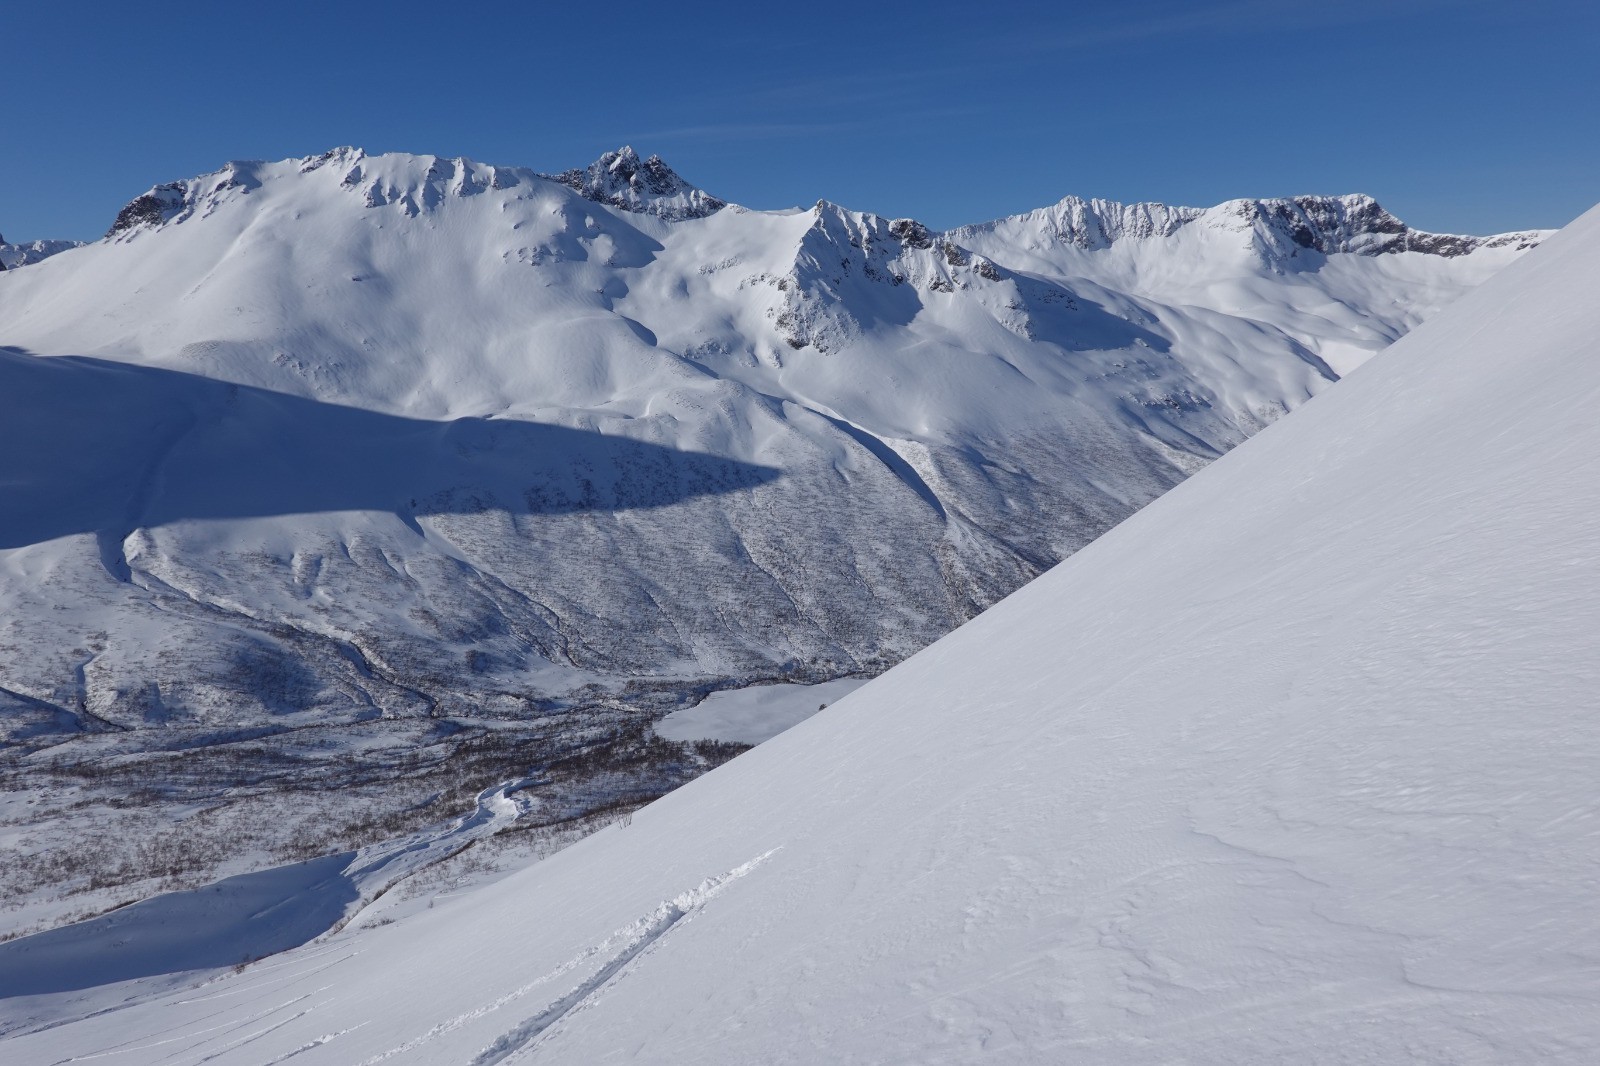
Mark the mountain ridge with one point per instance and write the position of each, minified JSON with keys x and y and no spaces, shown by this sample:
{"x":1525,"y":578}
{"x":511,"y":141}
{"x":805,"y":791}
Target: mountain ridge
{"x":1330,"y":224}
{"x":1281,"y":226}
{"x":380,"y":455}
{"x":13,"y":256}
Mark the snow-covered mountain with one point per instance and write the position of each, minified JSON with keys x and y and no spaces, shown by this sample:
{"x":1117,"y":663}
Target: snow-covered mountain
{"x":622,"y":180}
{"x":17,"y":255}
{"x":1295,"y":765}
{"x":409,"y":448}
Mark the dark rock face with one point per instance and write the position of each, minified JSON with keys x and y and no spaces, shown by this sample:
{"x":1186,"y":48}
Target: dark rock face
{"x":316,"y":162}
{"x":1444,"y":244}
{"x":1360,"y":214}
{"x":1355,"y":224}
{"x":621,"y":179}
{"x":1279,"y":229}
{"x":1336,"y":224}
{"x":911,"y":233}
{"x":151,"y":208}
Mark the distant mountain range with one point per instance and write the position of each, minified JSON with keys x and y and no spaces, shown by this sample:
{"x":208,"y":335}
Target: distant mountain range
{"x":16,"y":255}
{"x":432,"y":436}
{"x":366,"y":443}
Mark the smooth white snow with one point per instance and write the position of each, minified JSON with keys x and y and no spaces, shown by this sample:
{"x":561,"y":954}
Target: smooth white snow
{"x":755,"y":714}
{"x":1295,"y":765}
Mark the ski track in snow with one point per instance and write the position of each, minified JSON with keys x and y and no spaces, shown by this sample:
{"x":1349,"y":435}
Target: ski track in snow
{"x":206,"y":1035}
{"x":637,"y":938}
{"x":311,"y":1045}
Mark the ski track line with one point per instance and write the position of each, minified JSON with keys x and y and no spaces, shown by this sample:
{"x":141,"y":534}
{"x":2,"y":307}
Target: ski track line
{"x":205,"y":1056}
{"x":310,"y":1045}
{"x":522,"y":1036}
{"x":267,"y":976}
{"x":478,"y":1012}
{"x":641,"y":935}
{"x":183,"y":1002}
{"x":715,"y":885}
{"x":124,"y":1049}
{"x":251,"y":1037}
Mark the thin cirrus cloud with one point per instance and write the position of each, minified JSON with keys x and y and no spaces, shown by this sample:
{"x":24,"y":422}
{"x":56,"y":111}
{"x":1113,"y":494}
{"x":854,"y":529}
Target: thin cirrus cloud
{"x":736,"y":129}
{"x":818,"y":107}
{"x":1244,"y":16}
{"x":713,"y":131}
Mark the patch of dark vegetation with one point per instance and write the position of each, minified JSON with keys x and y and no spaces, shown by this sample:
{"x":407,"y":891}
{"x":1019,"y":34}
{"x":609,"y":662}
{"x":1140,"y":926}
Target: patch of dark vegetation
{"x":147,"y":822}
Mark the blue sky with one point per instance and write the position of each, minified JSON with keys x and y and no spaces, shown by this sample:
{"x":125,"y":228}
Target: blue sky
{"x":1459,"y":115}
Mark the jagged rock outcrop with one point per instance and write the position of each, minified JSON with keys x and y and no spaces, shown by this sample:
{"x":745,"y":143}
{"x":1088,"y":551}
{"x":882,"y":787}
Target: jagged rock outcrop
{"x":151,"y":208}
{"x":854,"y":271}
{"x":621,"y":179}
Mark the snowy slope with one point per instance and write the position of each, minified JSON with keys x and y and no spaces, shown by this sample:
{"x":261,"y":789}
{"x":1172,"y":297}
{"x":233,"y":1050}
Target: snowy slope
{"x":313,"y":466}
{"x":1339,"y":272}
{"x":1295,"y":765}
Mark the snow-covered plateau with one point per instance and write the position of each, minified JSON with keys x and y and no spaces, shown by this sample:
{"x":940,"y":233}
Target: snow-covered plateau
{"x":1296,"y":764}
{"x":335,"y":491}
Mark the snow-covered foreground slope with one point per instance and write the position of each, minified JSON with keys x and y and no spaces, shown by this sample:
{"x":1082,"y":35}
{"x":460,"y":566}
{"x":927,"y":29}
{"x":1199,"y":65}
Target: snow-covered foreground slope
{"x":313,"y":471}
{"x":1295,"y":765}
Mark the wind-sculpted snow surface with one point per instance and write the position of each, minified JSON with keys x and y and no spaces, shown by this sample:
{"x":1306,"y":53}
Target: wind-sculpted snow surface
{"x":405,"y":445}
{"x":1295,"y":765}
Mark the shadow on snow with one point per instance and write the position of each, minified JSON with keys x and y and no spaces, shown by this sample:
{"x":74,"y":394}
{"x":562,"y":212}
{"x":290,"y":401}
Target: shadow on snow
{"x":232,"y":921}
{"x":91,"y":446}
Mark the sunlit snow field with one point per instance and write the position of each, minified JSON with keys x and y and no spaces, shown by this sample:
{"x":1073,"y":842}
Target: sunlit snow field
{"x":385,"y":566}
{"x":752,"y":715}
